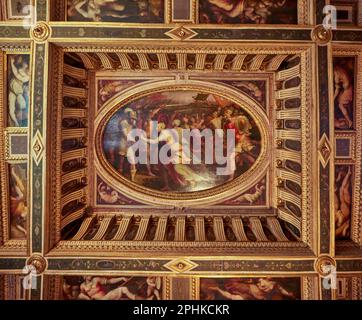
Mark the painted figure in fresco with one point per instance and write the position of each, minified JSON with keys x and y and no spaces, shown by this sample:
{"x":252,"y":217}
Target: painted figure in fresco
{"x":111,"y":141}
{"x":252,"y":88}
{"x":144,"y":5}
{"x":107,"y":194}
{"x":92,"y":9}
{"x":18,"y":90}
{"x":342,"y":202}
{"x":255,"y":11}
{"x":71,"y":292}
{"x":93,"y":289}
{"x":262,"y":289}
{"x":243,"y":144}
{"x":147,"y":127}
{"x":184,"y":171}
{"x":252,"y":197}
{"x":116,"y":10}
{"x":180,"y":110}
{"x":259,"y":10}
{"x":228,"y":7}
{"x":168,"y":170}
{"x":343,"y":96}
{"x":215,"y":120}
{"x":110,"y":89}
{"x":105,"y":288}
{"x":125,"y":126}
{"x":18,"y":207}
{"x":153,"y":288}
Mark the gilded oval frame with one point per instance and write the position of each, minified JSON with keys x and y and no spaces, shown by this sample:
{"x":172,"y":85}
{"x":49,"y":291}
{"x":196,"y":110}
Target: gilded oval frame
{"x":182,"y":199}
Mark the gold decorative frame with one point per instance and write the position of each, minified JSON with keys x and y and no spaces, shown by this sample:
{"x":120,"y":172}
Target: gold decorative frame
{"x":356,"y":221}
{"x":150,"y":79}
{"x":15,"y":246}
{"x":350,"y":136}
{"x":7,"y":9}
{"x":199,"y":198}
{"x":192,"y":13}
{"x":308,"y":198}
{"x":10,"y":132}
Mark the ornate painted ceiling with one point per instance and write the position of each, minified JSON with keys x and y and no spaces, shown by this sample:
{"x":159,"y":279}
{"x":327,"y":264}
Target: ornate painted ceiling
{"x":277,"y":218}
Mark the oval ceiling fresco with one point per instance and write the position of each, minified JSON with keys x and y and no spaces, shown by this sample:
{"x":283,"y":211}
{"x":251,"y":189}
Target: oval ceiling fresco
{"x":180,"y":141}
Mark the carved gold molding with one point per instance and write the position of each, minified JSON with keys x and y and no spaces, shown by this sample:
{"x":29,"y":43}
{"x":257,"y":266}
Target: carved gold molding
{"x":306,"y":87}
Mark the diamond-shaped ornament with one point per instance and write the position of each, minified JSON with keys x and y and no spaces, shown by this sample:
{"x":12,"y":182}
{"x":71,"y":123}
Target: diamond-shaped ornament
{"x":181,"y":33}
{"x":180,"y":265}
{"x":37,"y":147}
{"x":324,"y":150}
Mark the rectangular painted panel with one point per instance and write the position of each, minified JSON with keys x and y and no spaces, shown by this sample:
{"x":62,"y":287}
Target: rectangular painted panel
{"x":344,"y":92}
{"x":248,"y":12}
{"x":250,"y":289}
{"x":18,"y":79}
{"x":18,"y":202}
{"x":343,"y":200}
{"x":146,"y":11}
{"x":112,"y":288}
